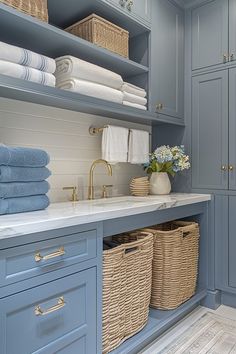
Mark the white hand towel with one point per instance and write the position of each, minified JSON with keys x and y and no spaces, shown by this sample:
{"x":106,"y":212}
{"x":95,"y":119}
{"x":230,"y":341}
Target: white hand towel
{"x":25,"y":57}
{"x":91,"y":89}
{"x":115,"y":144}
{"x":135,"y":90}
{"x":70,"y":67}
{"x":134,"y":99}
{"x":26,"y":73}
{"x":134,"y":105}
{"x":138,"y":146}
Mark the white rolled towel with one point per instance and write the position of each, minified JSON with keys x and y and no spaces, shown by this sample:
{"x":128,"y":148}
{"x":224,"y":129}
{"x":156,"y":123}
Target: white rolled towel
{"x":26,"y":57}
{"x":134,"y":99}
{"x":26,"y":73}
{"x":135,"y":90}
{"x":70,"y":67}
{"x":134,"y":105}
{"x":91,"y":89}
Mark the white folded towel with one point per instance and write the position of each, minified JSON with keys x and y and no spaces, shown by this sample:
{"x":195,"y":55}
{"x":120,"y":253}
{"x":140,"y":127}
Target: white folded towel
{"x":115,"y":144}
{"x":25,"y":57}
{"x":134,"y":105}
{"x":138,"y":146}
{"x":135,"y":90}
{"x":134,"y":99}
{"x":91,"y":89}
{"x":70,"y":67}
{"x":26,"y":73}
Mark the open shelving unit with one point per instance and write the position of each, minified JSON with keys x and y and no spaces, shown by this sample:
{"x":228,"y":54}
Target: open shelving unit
{"x":22,"y":30}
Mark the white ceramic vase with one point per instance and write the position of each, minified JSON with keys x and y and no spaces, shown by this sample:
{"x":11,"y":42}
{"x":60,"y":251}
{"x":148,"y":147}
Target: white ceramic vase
{"x":160,"y":183}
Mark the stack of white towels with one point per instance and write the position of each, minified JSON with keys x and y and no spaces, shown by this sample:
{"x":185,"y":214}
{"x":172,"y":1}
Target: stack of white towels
{"x":74,"y":74}
{"x":134,"y":96}
{"x":120,"y":144}
{"x":24,"y":64}
{"x":82,"y":77}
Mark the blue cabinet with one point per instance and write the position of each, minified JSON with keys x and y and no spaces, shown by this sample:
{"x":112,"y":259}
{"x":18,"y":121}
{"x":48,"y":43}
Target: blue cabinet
{"x":38,"y":258}
{"x":232,"y":30}
{"x":210,"y":34}
{"x":225,"y":231}
{"x":232,"y":129}
{"x":167,"y":59}
{"x":138,"y":9}
{"x":210,"y":130}
{"x":60,"y":316}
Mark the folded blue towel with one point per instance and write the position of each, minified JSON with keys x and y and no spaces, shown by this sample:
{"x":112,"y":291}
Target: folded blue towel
{"x":23,"y":157}
{"x":23,"y":189}
{"x":23,"y":204}
{"x":23,"y":174}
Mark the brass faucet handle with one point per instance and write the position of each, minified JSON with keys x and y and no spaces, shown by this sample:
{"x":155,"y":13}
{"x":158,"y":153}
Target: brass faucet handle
{"x":104,"y":189}
{"x":74,"y":196}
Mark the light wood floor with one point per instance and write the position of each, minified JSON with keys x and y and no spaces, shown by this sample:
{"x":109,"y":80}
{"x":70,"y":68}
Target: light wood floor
{"x":183,"y":325}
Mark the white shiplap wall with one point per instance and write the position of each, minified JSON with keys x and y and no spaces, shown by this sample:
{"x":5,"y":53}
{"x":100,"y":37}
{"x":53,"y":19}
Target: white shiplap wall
{"x":64,"y":134}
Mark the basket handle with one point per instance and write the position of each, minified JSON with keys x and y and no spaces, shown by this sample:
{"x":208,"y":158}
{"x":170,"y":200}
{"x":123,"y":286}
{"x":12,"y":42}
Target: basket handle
{"x":131,"y":250}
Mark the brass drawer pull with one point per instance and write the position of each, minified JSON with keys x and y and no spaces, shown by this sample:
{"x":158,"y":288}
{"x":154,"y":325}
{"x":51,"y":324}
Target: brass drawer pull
{"x":223,"y":168}
{"x":60,"y":304}
{"x":231,"y":168}
{"x":38,"y":257}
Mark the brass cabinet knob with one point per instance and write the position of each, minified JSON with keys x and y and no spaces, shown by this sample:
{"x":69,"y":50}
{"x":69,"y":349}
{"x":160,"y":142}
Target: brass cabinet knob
{"x":122,"y":3}
{"x":231,"y":57}
{"x":130,"y":4}
{"x":224,"y":168}
{"x":159,"y":106}
{"x":231,"y":168}
{"x":225,"y":58}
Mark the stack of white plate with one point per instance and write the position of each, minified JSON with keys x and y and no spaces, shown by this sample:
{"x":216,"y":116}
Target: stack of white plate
{"x":139,"y":186}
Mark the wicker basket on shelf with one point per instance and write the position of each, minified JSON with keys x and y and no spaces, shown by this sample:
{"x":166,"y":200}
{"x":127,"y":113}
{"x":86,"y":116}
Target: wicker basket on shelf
{"x":175,"y":263}
{"x":127,"y":278}
{"x":97,"y":30}
{"x":35,"y":8}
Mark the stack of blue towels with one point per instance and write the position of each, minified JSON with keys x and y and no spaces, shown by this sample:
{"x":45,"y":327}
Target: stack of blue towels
{"x":23,"y":175}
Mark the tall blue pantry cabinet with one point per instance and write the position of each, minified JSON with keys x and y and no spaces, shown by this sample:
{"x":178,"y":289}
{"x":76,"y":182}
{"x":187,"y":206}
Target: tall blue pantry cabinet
{"x":213,"y":55}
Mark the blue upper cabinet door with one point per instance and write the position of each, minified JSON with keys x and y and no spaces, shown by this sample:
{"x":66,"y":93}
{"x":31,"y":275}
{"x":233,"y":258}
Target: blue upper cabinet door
{"x":232,"y":128}
{"x":232,"y":30}
{"x":210,"y":34}
{"x":210,"y":131}
{"x":167,"y":59}
{"x":139,"y":9}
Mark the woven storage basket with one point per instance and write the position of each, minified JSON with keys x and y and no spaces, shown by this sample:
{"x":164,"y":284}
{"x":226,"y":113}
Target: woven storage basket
{"x":175,"y":263}
{"x":127,"y":278}
{"x":35,"y":8}
{"x":105,"y":34}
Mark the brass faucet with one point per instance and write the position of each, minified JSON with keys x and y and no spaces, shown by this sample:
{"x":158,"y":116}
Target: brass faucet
{"x":91,"y":186}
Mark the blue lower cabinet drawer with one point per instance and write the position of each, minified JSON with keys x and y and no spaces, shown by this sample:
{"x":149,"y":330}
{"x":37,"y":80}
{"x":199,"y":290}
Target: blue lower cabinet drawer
{"x":23,"y":262}
{"x":59,"y":317}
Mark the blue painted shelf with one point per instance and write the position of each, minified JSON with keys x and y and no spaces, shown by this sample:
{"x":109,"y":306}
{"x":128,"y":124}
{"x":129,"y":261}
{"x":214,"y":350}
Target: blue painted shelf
{"x":49,"y":96}
{"x":158,"y":323}
{"x":22,"y":30}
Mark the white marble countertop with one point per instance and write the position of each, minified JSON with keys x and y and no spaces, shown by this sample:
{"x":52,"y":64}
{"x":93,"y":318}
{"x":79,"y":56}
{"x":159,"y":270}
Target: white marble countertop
{"x":60,"y":215}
